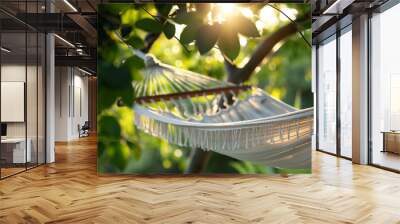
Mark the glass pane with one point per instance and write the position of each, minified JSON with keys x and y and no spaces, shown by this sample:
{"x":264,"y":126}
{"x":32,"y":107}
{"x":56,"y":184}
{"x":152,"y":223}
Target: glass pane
{"x":32,"y":97}
{"x":385,"y":83}
{"x":32,"y":86}
{"x":345,"y":94}
{"x":41,"y":99}
{"x":13,"y":86}
{"x":327,"y":96}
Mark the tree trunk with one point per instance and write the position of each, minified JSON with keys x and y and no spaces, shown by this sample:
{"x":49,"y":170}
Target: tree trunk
{"x":198,"y":161}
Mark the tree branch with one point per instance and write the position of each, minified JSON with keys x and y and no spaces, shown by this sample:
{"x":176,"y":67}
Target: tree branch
{"x":149,"y":40}
{"x":265,"y":48}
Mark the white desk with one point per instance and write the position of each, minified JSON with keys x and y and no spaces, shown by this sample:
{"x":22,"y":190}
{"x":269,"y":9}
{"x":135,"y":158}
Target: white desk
{"x":18,"y":149}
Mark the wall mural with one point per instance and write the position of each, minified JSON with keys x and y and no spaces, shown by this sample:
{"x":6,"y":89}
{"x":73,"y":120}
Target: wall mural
{"x":204,"y":88}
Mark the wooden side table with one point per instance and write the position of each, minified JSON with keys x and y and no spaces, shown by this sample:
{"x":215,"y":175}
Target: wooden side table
{"x":391,"y":141}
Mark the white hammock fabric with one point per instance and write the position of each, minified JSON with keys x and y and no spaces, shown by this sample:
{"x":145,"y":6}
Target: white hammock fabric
{"x":256,"y":128}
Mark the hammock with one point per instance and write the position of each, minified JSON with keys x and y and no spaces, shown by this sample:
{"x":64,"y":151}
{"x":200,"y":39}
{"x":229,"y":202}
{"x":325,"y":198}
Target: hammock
{"x":192,"y":110}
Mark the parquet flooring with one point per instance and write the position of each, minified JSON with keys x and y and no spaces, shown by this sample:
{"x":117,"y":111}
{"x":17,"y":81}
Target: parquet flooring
{"x":70,"y":191}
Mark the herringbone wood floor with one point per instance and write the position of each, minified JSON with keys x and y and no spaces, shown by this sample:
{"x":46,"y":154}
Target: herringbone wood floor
{"x":70,"y":191}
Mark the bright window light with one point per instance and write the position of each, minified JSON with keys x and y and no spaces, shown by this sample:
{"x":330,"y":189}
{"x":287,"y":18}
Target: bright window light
{"x":70,"y":5}
{"x":5,"y":50}
{"x":84,"y":71}
{"x":64,"y":40}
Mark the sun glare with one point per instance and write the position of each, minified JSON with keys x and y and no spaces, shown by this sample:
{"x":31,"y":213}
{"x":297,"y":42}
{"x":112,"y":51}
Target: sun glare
{"x":289,"y":12}
{"x":223,"y":11}
{"x":268,"y":16}
{"x":225,"y":8}
{"x":246,"y":12}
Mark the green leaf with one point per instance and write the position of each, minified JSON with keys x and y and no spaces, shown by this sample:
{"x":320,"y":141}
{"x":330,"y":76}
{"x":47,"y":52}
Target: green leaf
{"x":134,"y":62}
{"x":183,"y":17}
{"x":114,"y":77}
{"x":116,"y":83}
{"x":105,"y":100}
{"x":206,"y":37}
{"x":115,"y":9}
{"x":109,"y":127}
{"x":135,"y":42}
{"x":107,"y":97}
{"x":246,"y":27}
{"x":169,"y":30}
{"x":137,"y":152}
{"x":163,"y":9}
{"x":188,"y":34}
{"x":129,"y":17}
{"x":149,"y":25}
{"x":119,"y":154}
{"x":125,"y":30}
{"x":229,"y":44}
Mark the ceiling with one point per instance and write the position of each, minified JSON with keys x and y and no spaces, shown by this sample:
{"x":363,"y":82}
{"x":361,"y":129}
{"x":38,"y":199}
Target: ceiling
{"x":74,"y":21}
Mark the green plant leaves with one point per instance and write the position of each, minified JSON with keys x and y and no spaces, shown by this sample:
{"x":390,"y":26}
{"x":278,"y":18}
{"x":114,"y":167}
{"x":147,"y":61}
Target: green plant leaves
{"x":135,"y":41}
{"x":246,"y":27}
{"x":164,"y":9}
{"x":116,"y":84}
{"x":229,"y":44}
{"x":206,"y":37}
{"x":109,"y":127}
{"x":183,"y":17}
{"x":115,"y":77}
{"x":116,"y":152}
{"x":149,"y":25}
{"x":125,"y":30}
{"x":188,"y":34}
{"x":137,"y":152}
{"x":134,"y":63}
{"x":115,"y":9}
{"x":129,"y":17}
{"x":169,"y":30}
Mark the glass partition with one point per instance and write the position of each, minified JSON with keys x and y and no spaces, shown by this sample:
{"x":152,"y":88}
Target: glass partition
{"x":22,"y":88}
{"x":346,"y":93}
{"x":14,"y":151}
{"x":41,"y":96}
{"x":385,"y":89}
{"x":327,"y":95}
{"x":32,"y":97}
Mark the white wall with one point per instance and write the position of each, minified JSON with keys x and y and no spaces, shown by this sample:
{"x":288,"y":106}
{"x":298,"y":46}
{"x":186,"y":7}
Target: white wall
{"x":12,"y":73}
{"x":33,"y":126}
{"x":71,"y":102}
{"x":62,"y":81}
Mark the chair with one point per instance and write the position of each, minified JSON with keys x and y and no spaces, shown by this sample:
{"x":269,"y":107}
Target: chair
{"x":84,"y":130}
